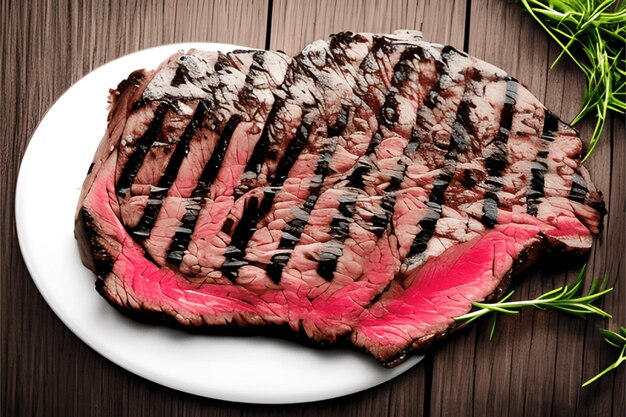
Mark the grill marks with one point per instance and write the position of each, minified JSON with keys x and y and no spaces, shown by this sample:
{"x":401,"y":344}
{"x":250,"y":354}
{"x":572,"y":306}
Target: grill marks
{"x":257,"y":207}
{"x":550,"y":126}
{"x":182,"y":237}
{"x":339,"y":231}
{"x":256,"y":159}
{"x":158,"y":193}
{"x":144,"y":143}
{"x":433,"y":97}
{"x":375,"y":300}
{"x":459,"y":140}
{"x":260,"y":151}
{"x":578,"y":192}
{"x":254,"y":211}
{"x":535,"y":191}
{"x":498,"y":160}
{"x":294,"y":228}
{"x":246,"y":95}
{"x":181,"y":74}
{"x":540,"y":165}
{"x":387,"y":117}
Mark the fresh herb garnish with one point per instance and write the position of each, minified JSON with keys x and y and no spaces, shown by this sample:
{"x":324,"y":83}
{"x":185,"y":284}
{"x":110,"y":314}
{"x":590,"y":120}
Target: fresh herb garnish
{"x":617,"y":340}
{"x":566,"y":298}
{"x":593,"y":34}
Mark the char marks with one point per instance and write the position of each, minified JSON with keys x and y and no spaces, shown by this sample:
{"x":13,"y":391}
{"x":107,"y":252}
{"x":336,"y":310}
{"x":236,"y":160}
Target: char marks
{"x":540,"y":165}
{"x":550,"y":126}
{"x":182,"y":72}
{"x":578,"y":192}
{"x":246,"y":95}
{"x":158,"y":193}
{"x":144,"y":143}
{"x":339,"y":231}
{"x":236,"y":251}
{"x":433,"y":98}
{"x":255,"y":162}
{"x":182,"y":237}
{"x":294,"y":228}
{"x":387,"y":116}
{"x":260,"y":151}
{"x":535,"y":191}
{"x":498,"y":160}
{"x":338,"y":195}
{"x":459,"y":141}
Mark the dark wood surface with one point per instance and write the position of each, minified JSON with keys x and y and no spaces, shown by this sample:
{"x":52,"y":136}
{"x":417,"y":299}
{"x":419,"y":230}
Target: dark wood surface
{"x":536,"y":362}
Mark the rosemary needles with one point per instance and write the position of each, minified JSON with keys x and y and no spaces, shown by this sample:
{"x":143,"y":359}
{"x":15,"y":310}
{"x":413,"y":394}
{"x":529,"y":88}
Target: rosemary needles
{"x":617,"y":340}
{"x":567,"y":299}
{"x":593,"y":34}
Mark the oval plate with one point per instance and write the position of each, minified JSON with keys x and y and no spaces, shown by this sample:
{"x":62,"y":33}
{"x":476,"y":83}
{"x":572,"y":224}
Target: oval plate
{"x":244,"y":369}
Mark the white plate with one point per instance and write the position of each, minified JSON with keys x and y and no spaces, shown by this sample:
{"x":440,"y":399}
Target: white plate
{"x":245,"y":369}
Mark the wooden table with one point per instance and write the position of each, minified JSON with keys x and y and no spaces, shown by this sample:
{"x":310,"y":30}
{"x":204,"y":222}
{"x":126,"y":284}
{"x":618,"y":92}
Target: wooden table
{"x":534,"y":365}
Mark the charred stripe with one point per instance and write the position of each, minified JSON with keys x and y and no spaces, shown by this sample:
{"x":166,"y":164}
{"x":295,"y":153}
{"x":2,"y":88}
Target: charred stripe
{"x":459,"y":140}
{"x":498,"y":160}
{"x":540,"y":166}
{"x":236,"y":251}
{"x":241,"y":236}
{"x":182,"y":237}
{"x":246,"y":95}
{"x":339,"y":231}
{"x":294,"y":228}
{"x":550,"y":126}
{"x":387,"y":117}
{"x":536,"y":189}
{"x":144,"y":143}
{"x":158,"y":193}
{"x":260,"y":151}
{"x":182,"y":72}
{"x":578,"y":192}
{"x":433,"y":99}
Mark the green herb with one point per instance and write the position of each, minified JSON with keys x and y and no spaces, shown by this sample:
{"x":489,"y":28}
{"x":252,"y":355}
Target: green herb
{"x":617,"y":340}
{"x":567,"y":299}
{"x":592,"y":33}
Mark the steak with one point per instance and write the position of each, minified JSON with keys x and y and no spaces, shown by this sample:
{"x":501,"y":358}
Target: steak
{"x":364,"y":192}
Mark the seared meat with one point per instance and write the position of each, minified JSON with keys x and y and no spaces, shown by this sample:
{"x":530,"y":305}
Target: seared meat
{"x":365,"y":191}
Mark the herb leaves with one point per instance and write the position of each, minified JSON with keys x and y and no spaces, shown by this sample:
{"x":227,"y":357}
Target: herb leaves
{"x":617,"y":340}
{"x":567,"y":299}
{"x":593,"y":34}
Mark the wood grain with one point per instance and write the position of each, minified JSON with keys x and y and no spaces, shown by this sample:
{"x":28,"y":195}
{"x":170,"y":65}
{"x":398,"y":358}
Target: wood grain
{"x":296,"y":23}
{"x":536,"y":362}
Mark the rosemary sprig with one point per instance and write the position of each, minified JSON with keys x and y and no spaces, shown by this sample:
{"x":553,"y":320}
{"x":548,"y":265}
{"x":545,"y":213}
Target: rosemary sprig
{"x":567,"y":298}
{"x":617,"y":340}
{"x":592,"y":33}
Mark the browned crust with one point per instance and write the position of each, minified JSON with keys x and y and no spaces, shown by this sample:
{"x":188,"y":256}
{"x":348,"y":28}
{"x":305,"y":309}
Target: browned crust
{"x":92,"y":253}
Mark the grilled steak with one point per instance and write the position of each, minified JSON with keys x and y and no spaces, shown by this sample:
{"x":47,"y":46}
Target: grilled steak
{"x":366,"y":191}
